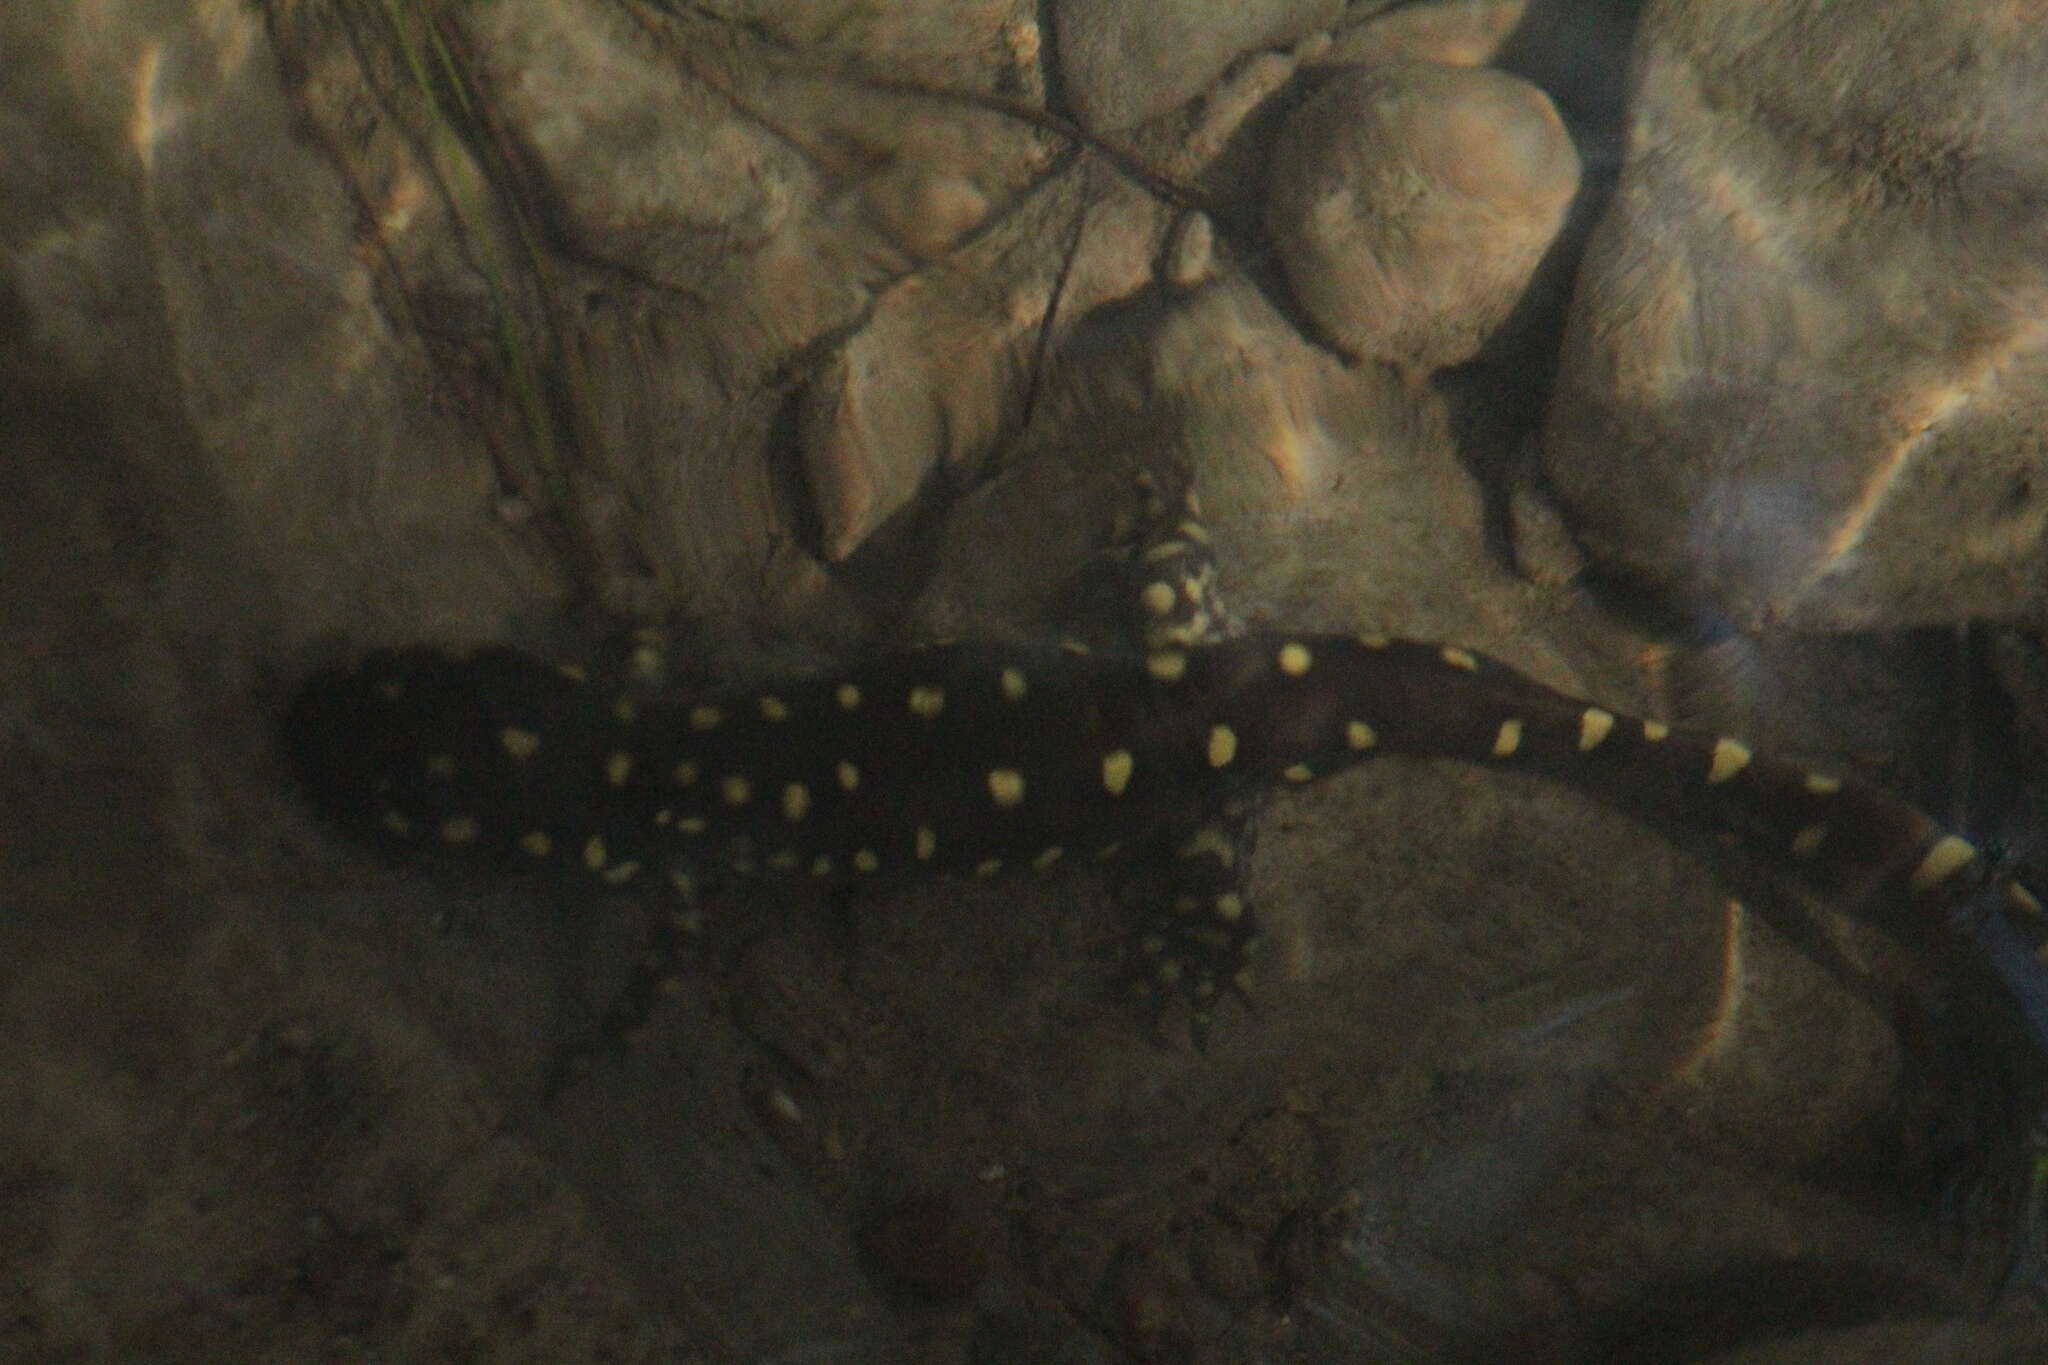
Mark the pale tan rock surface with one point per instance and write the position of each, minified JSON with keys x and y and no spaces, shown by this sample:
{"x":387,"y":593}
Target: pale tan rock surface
{"x":1126,"y":64}
{"x":1806,"y":370}
{"x":1449,"y":32}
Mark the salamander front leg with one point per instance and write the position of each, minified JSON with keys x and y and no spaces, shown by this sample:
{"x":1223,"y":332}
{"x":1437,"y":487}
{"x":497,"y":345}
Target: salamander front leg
{"x":1176,"y":595}
{"x":1193,"y":948}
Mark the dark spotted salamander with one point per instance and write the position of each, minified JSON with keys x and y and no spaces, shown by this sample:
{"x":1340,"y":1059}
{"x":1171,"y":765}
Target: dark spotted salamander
{"x":976,"y":758}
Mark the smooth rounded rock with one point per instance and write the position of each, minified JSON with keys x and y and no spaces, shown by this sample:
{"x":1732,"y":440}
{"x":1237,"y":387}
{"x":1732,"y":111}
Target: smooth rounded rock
{"x":1410,"y":204}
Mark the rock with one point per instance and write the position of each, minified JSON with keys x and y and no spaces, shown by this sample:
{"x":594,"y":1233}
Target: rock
{"x":940,"y":370}
{"x":1805,"y":374}
{"x":928,"y":1248}
{"x":66,"y":279}
{"x":1190,"y":251}
{"x":1410,"y":205}
{"x":1453,"y":32}
{"x":927,"y":212}
{"x":1127,"y":64}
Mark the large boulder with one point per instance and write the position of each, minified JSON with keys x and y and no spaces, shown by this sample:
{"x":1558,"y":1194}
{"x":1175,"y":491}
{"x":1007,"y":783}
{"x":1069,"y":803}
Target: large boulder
{"x":1805,"y":375}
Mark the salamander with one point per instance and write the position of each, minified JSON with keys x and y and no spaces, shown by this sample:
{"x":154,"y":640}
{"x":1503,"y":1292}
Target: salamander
{"x":977,"y":758}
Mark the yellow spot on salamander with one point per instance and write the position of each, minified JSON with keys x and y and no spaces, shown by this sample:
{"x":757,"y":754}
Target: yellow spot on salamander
{"x":624,"y":711}
{"x":1110,"y":849}
{"x":1374,"y":641}
{"x":1655,"y":731}
{"x":848,"y":697}
{"x":821,"y":866}
{"x":1594,"y":725}
{"x":1299,"y":772}
{"x":685,"y":774}
{"x":618,"y":768}
{"x":774,"y":708}
{"x":784,"y":860}
{"x":618,"y":874}
{"x":573,"y":672}
{"x":1459,"y":658}
{"x":1167,"y":665}
{"x":682,"y":882}
{"x":1222,"y":746}
{"x":1294,"y":659}
{"x":1820,"y":784}
{"x":1164,"y":550}
{"x":1073,"y":646}
{"x":736,"y":790}
{"x":988,"y":867}
{"x":1047,"y":858}
{"x":537,"y":843}
{"x":1359,"y":735}
{"x":705,"y":717}
{"x":1157,"y":598}
{"x":848,"y":775}
{"x":1230,"y":907}
{"x":1731,"y":756}
{"x":1507,"y":739}
{"x":1194,"y":530}
{"x":1116,"y":771}
{"x":1807,"y":840}
{"x":460,"y":830}
{"x":593,"y":853}
{"x":394,"y":822}
{"x":441,"y":765}
{"x":519,"y":744}
{"x":866,"y":861}
{"x":693,"y":824}
{"x":927,"y":701}
{"x":1948,"y":856}
{"x":1209,"y":843}
{"x":927,"y":843}
{"x":1006,"y":786}
{"x":664,"y":816}
{"x":2021,"y":899}
{"x":1014,"y":686}
{"x":796,"y":801}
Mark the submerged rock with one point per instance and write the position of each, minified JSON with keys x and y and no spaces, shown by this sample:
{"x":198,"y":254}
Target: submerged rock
{"x":1127,"y":64}
{"x":1410,"y":205}
{"x":1806,"y":369}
